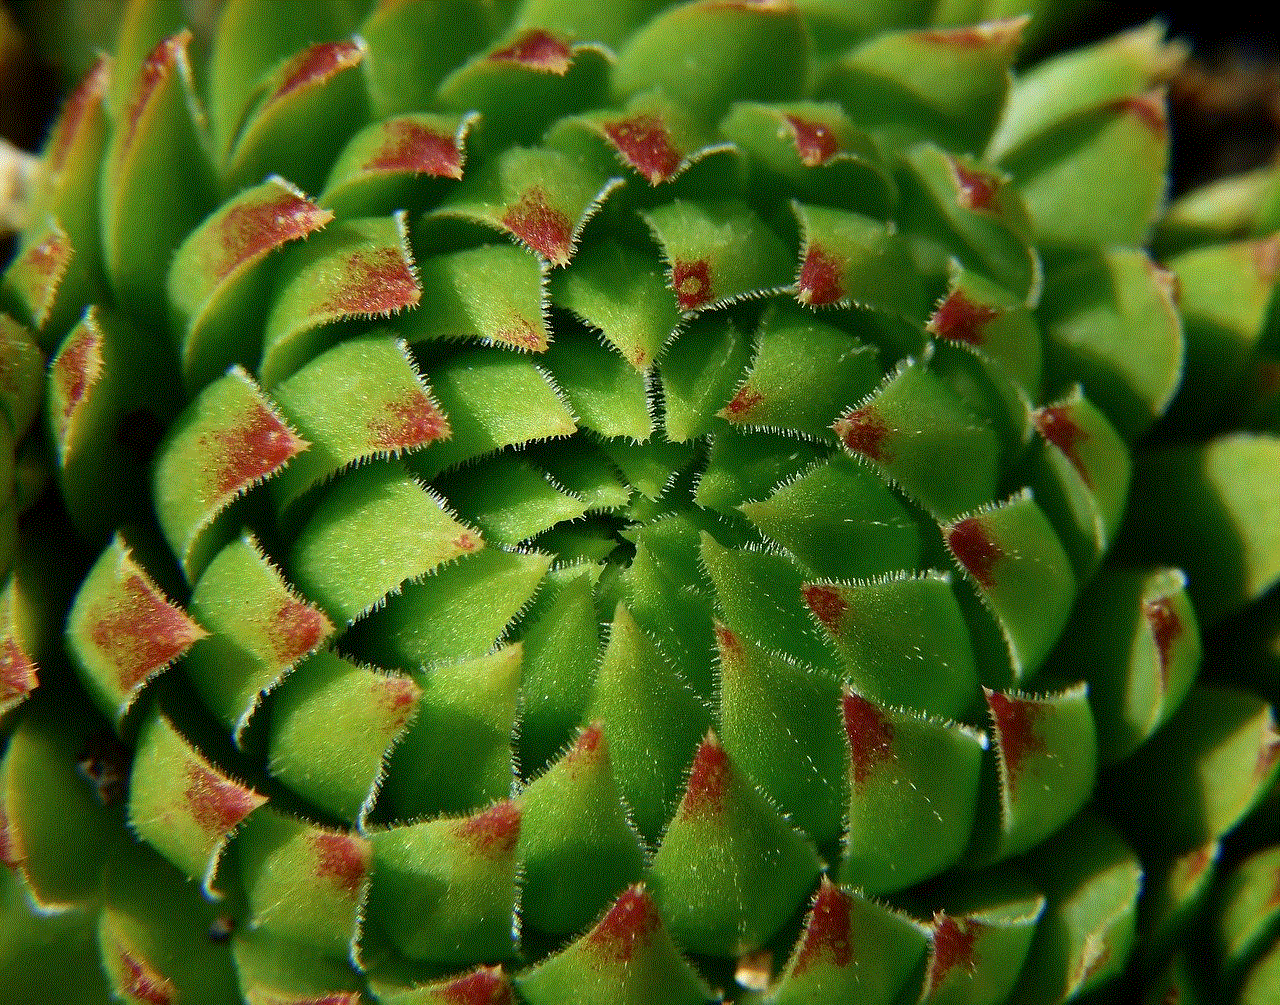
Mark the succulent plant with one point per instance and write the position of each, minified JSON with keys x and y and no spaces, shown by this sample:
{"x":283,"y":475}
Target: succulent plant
{"x":624,"y":502}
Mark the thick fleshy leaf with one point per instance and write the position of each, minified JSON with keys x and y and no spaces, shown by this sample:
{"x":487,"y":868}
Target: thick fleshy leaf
{"x":946,"y":85}
{"x":1010,"y":553}
{"x":21,"y":375}
{"x":456,"y":755}
{"x":924,"y":439}
{"x":730,"y":869}
{"x":33,"y":282}
{"x":728,"y":43}
{"x":913,"y":791}
{"x":851,"y":259}
{"x":577,"y":849}
{"x":1248,"y":910}
{"x":653,"y":136}
{"x":275,"y":972}
{"x":493,"y":294}
{"x":444,"y":891}
{"x":374,"y":530}
{"x":1212,"y":510}
{"x":229,"y":439}
{"x":485,"y":986}
{"x":718,"y":253}
{"x":216,"y":281}
{"x":355,"y":269}
{"x":332,"y":723}
{"x":851,"y":948}
{"x":302,"y":117}
{"x":1214,"y":760}
{"x":19,"y":674}
{"x":1091,"y":881}
{"x":629,"y":955}
{"x":802,"y":374}
{"x":655,"y":722}
{"x":901,"y":641}
{"x":779,"y":724}
{"x":259,"y":630}
{"x":156,"y":137}
{"x":180,"y":804}
{"x":1046,"y":747}
{"x":1111,"y":325}
{"x":122,"y":631}
{"x":304,"y":884}
{"x":699,"y":373}
{"x":359,"y":400}
{"x":509,"y":500}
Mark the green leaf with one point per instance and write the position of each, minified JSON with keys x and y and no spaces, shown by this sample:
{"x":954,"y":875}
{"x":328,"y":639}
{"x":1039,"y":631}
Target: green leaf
{"x":779,"y":724}
{"x":901,"y":641}
{"x":851,"y":259}
{"x":1018,"y":566}
{"x":303,"y":884}
{"x":331,"y":725}
{"x":1247,"y":910}
{"x":577,"y":848}
{"x":699,"y":373}
{"x":1213,"y":511}
{"x":123,"y":631}
{"x":851,"y":949}
{"x":374,"y":530}
{"x":182,"y":805}
{"x":217,"y":282}
{"x":921,"y":437}
{"x":259,"y":630}
{"x":629,"y":956}
{"x":457,"y":754}
{"x":273,"y":971}
{"x":913,"y":792}
{"x":730,"y":869}
{"x":654,"y":136}
{"x":655,"y":722}
{"x":609,"y":396}
{"x":444,"y":891}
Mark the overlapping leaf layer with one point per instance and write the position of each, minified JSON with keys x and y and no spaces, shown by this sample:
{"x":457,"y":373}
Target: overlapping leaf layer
{"x":575,"y":502}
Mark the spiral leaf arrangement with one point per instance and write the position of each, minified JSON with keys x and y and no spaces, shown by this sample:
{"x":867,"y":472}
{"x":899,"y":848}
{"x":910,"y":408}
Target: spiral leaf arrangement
{"x":572,"y":502}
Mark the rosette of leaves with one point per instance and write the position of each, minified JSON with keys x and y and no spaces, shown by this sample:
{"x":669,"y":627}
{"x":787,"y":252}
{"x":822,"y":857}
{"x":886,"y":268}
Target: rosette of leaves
{"x":573,"y":502}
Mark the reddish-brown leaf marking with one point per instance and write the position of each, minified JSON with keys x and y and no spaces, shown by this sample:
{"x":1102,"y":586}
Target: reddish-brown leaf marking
{"x":157,"y":68}
{"x":741,"y":404}
{"x":993,"y":34}
{"x":827,"y":933}
{"x":17,"y":672}
{"x":1149,"y":109}
{"x":691,"y":282}
{"x":819,"y":282}
{"x":486,"y":986}
{"x":215,"y":803}
{"x":708,"y":781}
{"x":975,"y":549}
{"x":297,"y":629}
{"x":468,"y":542}
{"x":137,"y":631}
{"x":408,"y":422}
{"x":76,"y":114}
{"x":1268,"y":753}
{"x":540,"y":225}
{"x":257,"y":445}
{"x":869,"y":733}
{"x":75,"y":369}
{"x":536,"y":49}
{"x":728,"y":643}
{"x":41,"y":268}
{"x":828,"y":606}
{"x":1016,"y":721}
{"x":376,"y":282}
{"x":1266,"y":259}
{"x":959,"y":319}
{"x":248,"y":231}
{"x":413,"y":148}
{"x":520,"y":332}
{"x":341,"y":860}
{"x":493,"y":832}
{"x":1058,"y":427}
{"x":316,"y":65}
{"x":398,"y":696}
{"x":11,"y":850}
{"x":586,"y":747}
{"x":630,"y":924}
{"x":1165,"y":627}
{"x":865,"y":432}
{"x":975,"y":189}
{"x":646,"y":145}
{"x":815,"y":142}
{"x":952,"y":948}
{"x":143,"y":983}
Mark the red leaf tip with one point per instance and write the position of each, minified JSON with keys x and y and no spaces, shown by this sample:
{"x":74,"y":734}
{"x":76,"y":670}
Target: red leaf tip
{"x":1015,"y":720}
{"x":493,"y":832}
{"x":959,"y":319}
{"x":692,"y":283}
{"x":864,"y":431}
{"x":1056,"y":425}
{"x":646,"y":145}
{"x":974,"y":548}
{"x":708,"y":780}
{"x":827,"y":931}
{"x":869,"y":734}
{"x":540,"y":225}
{"x":537,"y":49}
{"x":819,"y":282}
{"x":341,"y":860}
{"x":827,"y":604}
{"x":815,"y":142}
{"x":630,"y":924}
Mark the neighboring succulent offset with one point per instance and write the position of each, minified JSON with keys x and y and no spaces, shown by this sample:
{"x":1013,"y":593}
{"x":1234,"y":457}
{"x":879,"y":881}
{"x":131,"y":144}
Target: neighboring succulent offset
{"x":581,"y":502}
